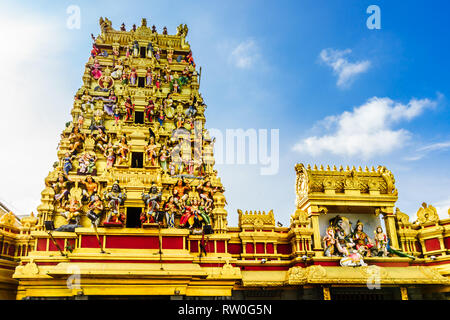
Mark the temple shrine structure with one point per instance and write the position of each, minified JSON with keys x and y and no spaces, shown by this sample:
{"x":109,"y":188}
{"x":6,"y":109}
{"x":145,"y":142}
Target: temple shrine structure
{"x":133,"y":207}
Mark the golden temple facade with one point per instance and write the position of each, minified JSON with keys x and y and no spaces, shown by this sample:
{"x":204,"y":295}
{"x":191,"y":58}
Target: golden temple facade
{"x":134,"y":207}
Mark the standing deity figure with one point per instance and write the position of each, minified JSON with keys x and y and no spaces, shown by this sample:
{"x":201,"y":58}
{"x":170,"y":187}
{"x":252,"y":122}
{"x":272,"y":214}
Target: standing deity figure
{"x":123,"y":150}
{"x":149,"y":78}
{"x":150,"y":110}
{"x":164,"y":155}
{"x":381,"y":242}
{"x":362,"y":241}
{"x":135,"y":49}
{"x":61,"y":188}
{"x":132,"y":77}
{"x":67,"y":163}
{"x":149,"y":50}
{"x":129,"y":106}
{"x":115,"y":199}
{"x":171,"y":209}
{"x":151,"y":151}
{"x":329,"y":242}
{"x":110,"y":156}
{"x":169,"y":55}
{"x":151,"y":211}
{"x":95,"y":207}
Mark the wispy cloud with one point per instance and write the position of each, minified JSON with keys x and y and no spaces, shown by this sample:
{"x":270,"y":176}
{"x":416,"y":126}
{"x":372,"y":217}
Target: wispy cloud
{"x":245,"y":54}
{"x":423,"y":151}
{"x":345,"y":70}
{"x":366,"y":131}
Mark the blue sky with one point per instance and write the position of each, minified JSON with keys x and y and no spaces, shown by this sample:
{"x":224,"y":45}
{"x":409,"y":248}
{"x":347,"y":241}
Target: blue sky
{"x":262,"y":68}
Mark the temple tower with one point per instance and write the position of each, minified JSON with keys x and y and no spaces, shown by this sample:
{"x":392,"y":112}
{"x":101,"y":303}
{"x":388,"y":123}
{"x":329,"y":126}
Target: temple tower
{"x":139,"y":123}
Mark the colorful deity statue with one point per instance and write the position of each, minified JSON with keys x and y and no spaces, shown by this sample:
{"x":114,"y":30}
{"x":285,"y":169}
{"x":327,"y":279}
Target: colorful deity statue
{"x":129,"y":106}
{"x":329,"y":242}
{"x":116,"y":197}
{"x":101,"y":140}
{"x":67,"y":163}
{"x":343,"y":241}
{"x":206,"y":192}
{"x":110,"y":155}
{"x":86,"y":101}
{"x":169,"y":55}
{"x":164,"y":156}
{"x":76,"y":139}
{"x":118,"y":70}
{"x":132,"y":77}
{"x":186,"y":214}
{"x":381,"y":242}
{"x":151,"y":150}
{"x":73,"y":213}
{"x":123,"y":150}
{"x":135,"y":49}
{"x":171,"y":209}
{"x":149,"y":78}
{"x":96,"y":71}
{"x":149,"y":50}
{"x":150,"y":110}
{"x":91,"y":188}
{"x":152,"y":201}
{"x":362,"y":241}
{"x":353,"y":259}
{"x":86,"y":162}
{"x":179,"y":192}
{"x":61,"y":188}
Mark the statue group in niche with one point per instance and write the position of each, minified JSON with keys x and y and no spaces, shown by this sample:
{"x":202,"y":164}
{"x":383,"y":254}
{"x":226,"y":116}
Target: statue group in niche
{"x":341,"y":240}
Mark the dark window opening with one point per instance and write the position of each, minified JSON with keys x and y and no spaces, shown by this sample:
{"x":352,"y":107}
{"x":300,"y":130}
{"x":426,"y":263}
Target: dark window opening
{"x":138,"y":117}
{"x":141,"y":82}
{"x":143,"y":52}
{"x":133,"y":217}
{"x":137,"y":160}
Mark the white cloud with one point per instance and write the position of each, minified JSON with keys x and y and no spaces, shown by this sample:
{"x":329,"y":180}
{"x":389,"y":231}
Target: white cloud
{"x":245,"y":54}
{"x":32,"y":82}
{"x":367,"y":130}
{"x":345,"y":70}
{"x":443,"y":208}
{"x":423,"y":151}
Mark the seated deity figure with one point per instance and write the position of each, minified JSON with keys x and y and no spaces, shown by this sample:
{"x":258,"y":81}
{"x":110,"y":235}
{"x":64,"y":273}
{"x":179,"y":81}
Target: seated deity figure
{"x":329,"y":242}
{"x":343,"y":241}
{"x":362,"y":241}
{"x":73,"y":213}
{"x":116,"y":197}
{"x":91,"y":188}
{"x":180,"y":192}
{"x":151,"y":212}
{"x":76,"y":139}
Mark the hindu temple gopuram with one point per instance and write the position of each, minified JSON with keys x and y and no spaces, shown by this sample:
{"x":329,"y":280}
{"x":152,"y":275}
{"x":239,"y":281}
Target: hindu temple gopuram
{"x":133,"y":206}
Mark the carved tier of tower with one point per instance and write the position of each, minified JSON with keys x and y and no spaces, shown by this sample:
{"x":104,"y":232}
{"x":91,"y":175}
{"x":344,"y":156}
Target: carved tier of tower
{"x":136,"y":152}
